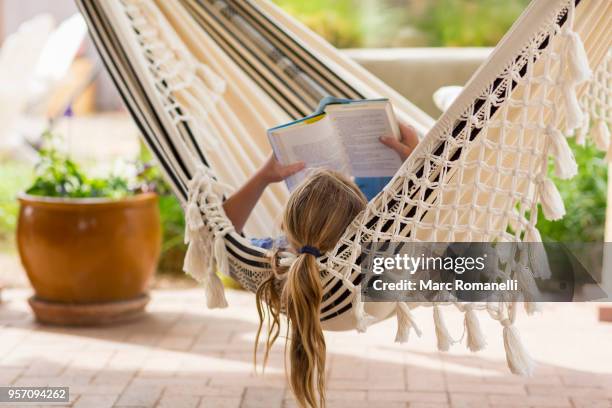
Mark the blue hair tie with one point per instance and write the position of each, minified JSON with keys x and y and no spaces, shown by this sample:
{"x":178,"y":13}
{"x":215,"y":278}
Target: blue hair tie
{"x":307,"y":249}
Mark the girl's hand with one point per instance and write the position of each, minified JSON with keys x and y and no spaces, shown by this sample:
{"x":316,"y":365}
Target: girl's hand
{"x":272,"y":171}
{"x":406,"y":144}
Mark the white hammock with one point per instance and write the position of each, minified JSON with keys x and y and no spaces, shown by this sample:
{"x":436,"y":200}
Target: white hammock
{"x":205,"y":79}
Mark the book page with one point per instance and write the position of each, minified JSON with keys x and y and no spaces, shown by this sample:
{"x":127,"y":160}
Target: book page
{"x":359,"y":129}
{"x":313,"y":143}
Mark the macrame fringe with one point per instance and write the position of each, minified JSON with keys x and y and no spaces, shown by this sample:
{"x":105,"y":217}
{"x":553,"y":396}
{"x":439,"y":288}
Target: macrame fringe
{"x":538,"y":261}
{"x":527,"y":283}
{"x":601,"y":135}
{"x":551,"y":201}
{"x":565,"y":163}
{"x":583,"y":130}
{"x":573,"y":110}
{"x":221,"y":255}
{"x":577,"y":71}
{"x":475,"y":339}
{"x":193,"y":218}
{"x":195,"y":258}
{"x":505,"y":252}
{"x":361,"y":317}
{"x":405,"y":322}
{"x":214,"y":291}
{"x":577,"y":61}
{"x":531,"y":307}
{"x":202,"y":260}
{"x":202,"y":266}
{"x":518,"y":359}
{"x":442,"y":334}
{"x":532,"y":235}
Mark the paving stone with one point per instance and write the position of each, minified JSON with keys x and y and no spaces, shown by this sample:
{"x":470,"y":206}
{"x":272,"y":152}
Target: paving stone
{"x":179,"y":401}
{"x":262,"y":398}
{"x":530,"y":400}
{"x":220,"y":402}
{"x":407,"y":396}
{"x":140,"y":395}
{"x":182,"y":354}
{"x":95,"y":401}
{"x":591,"y":402}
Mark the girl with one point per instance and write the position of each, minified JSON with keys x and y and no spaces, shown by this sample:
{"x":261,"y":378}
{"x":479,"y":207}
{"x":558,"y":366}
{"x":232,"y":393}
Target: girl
{"x":312,"y":224}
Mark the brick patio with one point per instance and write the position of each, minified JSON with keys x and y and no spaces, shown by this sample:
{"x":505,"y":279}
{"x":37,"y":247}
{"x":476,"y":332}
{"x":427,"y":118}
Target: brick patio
{"x":182,"y":355}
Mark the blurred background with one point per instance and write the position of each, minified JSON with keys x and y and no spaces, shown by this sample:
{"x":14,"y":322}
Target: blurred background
{"x":415,"y":46}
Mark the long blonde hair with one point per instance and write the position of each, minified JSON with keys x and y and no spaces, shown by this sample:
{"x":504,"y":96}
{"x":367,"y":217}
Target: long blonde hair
{"x":316,"y":215}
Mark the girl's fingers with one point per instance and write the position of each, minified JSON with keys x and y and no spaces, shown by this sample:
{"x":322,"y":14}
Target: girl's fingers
{"x":401,"y":149}
{"x":291,"y":169}
{"x":394,"y":144}
{"x":408,"y":135}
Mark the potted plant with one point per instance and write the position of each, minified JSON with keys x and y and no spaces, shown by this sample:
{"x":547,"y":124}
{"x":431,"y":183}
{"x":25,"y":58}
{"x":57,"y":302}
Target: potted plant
{"x":89,"y":245}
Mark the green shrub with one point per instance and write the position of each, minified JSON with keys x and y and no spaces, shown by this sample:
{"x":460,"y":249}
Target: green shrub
{"x":57,"y":175}
{"x":468,"y":23}
{"x":585,"y":198}
{"x":339,"y":21}
{"x":14,"y":178}
{"x":173,"y":230}
{"x":397,"y":23}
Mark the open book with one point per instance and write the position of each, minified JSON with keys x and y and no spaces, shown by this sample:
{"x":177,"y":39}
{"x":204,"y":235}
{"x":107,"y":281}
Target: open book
{"x":341,"y":135}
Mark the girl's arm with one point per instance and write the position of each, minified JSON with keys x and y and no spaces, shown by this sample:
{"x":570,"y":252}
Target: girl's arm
{"x":239,"y":205}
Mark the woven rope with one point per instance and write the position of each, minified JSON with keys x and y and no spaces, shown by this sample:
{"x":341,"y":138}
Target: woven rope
{"x":597,"y":103}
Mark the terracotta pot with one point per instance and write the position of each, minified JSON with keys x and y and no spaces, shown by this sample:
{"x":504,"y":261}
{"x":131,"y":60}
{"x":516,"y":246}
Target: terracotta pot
{"x":89,"y":251}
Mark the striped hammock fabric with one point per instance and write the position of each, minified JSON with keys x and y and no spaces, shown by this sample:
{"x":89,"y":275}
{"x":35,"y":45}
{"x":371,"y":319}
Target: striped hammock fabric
{"x":204,"y":79}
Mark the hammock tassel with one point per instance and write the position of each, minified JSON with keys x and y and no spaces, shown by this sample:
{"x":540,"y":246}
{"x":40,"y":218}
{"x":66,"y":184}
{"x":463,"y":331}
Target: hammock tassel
{"x":442,"y":334}
{"x":531,"y":307}
{"x":214,"y":291}
{"x":577,"y":71}
{"x":528,"y":286}
{"x":518,"y":359}
{"x":195,"y":258}
{"x":551,"y":201}
{"x":475,"y":340}
{"x":576,"y":58}
{"x":573,"y":112}
{"x":362,"y":318}
{"x":193,"y":215}
{"x":213,"y":287}
{"x":505,"y":252}
{"x":538,"y":259}
{"x":532,"y":235}
{"x":583,"y":130}
{"x":601,"y":135}
{"x":405,"y":322}
{"x":221,"y":255}
{"x":565,"y":163}
{"x":193,"y":219}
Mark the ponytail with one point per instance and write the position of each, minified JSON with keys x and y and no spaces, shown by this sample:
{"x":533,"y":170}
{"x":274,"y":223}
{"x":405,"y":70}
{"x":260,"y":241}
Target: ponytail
{"x":269,"y":307}
{"x":313,"y":226}
{"x":302,"y":296}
